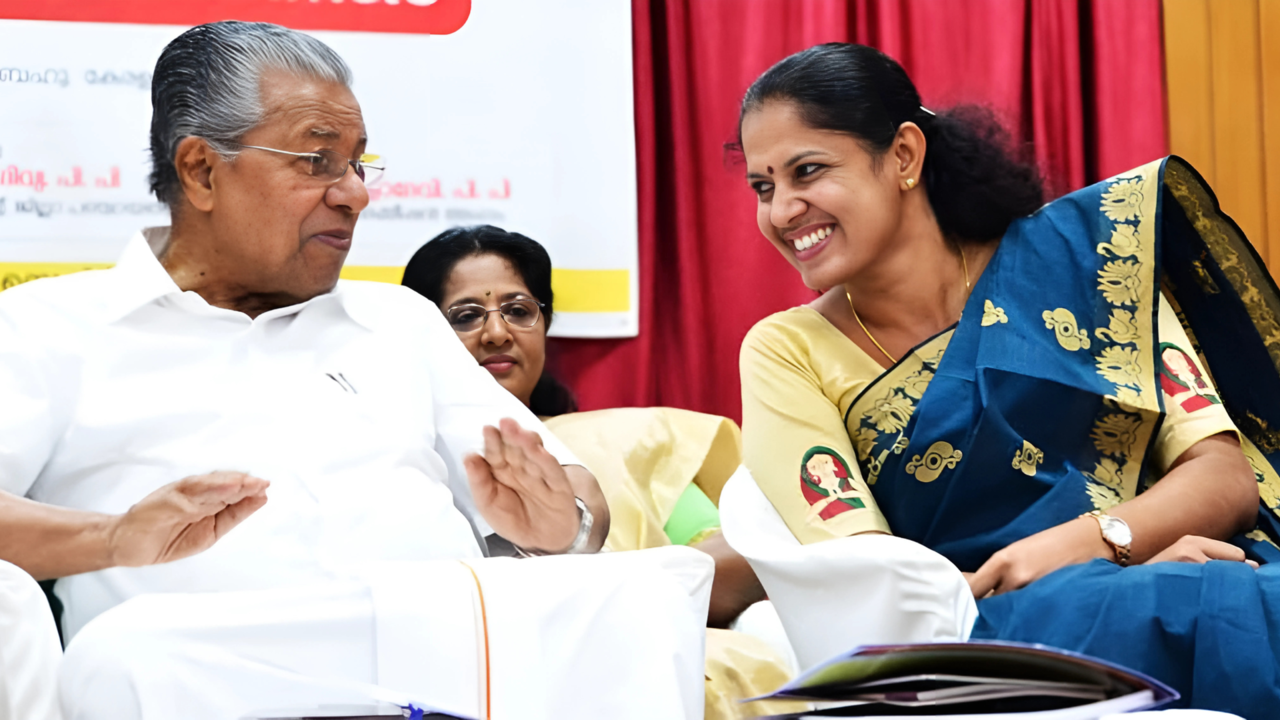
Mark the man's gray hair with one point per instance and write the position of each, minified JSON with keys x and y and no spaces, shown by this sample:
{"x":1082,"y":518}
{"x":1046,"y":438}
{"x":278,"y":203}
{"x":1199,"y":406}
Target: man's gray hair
{"x":206,"y":84}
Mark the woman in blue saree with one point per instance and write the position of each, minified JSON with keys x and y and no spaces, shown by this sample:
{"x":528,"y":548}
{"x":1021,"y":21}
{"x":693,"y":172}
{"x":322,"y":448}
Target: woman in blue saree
{"x":1074,"y":403}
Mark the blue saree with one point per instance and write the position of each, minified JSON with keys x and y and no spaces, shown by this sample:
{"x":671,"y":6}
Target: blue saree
{"x":1044,"y":402}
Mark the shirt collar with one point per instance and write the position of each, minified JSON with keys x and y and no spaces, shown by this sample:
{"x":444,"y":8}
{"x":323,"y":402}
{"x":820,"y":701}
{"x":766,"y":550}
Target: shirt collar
{"x":140,"y":276}
{"x":141,"y":279}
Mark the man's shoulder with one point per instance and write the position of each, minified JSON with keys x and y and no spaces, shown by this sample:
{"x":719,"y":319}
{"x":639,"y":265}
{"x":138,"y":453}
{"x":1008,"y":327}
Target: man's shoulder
{"x":385,"y":295}
{"x":379,"y":305}
{"x":76,"y":296}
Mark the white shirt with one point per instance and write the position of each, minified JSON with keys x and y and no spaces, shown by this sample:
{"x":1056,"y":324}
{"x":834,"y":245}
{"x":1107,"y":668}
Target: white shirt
{"x":358,"y":406}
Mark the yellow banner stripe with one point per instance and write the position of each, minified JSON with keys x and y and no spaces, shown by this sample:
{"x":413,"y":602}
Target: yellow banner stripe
{"x":592,"y":291}
{"x":582,"y":291}
{"x":579,"y":291}
{"x":16,"y":273}
{"x":377,"y":273}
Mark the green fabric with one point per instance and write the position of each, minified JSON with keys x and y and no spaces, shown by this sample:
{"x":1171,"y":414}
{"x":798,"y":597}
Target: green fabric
{"x":693,"y":514}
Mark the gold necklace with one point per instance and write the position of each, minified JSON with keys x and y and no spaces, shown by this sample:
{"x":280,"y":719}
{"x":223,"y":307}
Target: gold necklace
{"x":967,"y":289}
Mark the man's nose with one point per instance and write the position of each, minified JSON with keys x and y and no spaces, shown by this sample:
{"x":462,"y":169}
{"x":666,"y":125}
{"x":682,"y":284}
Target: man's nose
{"x":348,"y":193}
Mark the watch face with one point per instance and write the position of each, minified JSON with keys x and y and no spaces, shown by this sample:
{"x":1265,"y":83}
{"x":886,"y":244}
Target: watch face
{"x":1116,"y":531}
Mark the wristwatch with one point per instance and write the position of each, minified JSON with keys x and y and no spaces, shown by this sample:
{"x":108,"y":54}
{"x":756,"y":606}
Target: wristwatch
{"x":1116,"y":533}
{"x":579,"y":544}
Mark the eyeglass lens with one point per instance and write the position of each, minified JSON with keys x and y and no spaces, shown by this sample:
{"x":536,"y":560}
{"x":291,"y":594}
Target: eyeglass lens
{"x":331,"y":165}
{"x":517,"y":313}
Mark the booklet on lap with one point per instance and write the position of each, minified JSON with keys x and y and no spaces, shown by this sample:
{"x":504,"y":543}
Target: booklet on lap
{"x":372,"y":711}
{"x":973,"y":679}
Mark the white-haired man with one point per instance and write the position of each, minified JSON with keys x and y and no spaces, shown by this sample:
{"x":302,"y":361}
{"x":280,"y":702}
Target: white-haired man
{"x":224,"y":350}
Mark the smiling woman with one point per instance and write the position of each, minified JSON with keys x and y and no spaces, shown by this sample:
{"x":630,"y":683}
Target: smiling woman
{"x":988,"y":371}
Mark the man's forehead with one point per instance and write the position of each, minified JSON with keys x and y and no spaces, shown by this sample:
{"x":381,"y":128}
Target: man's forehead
{"x":311,"y":108}
{"x":319,"y":119}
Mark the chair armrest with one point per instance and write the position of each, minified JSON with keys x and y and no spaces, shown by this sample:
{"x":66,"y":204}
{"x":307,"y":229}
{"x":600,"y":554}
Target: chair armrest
{"x":835,"y":595}
{"x":31,"y":653}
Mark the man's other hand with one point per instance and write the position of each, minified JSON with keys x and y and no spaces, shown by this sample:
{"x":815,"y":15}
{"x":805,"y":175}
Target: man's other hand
{"x":522,"y":490}
{"x":185,"y":517}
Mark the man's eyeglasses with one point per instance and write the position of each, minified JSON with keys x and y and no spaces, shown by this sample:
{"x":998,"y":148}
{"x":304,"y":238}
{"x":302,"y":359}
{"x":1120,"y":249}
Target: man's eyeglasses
{"x":330,"y":166}
{"x":521,"y":314}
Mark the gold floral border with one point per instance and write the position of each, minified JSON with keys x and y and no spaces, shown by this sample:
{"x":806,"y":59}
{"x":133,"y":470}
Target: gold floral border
{"x":1124,"y":352}
{"x":1251,"y":283}
{"x":1231,"y":252}
{"x":877,"y":419}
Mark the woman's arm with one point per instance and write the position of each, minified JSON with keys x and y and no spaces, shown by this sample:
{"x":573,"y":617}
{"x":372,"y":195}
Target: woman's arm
{"x":788,"y":416}
{"x":1210,"y":492}
{"x":735,"y":586}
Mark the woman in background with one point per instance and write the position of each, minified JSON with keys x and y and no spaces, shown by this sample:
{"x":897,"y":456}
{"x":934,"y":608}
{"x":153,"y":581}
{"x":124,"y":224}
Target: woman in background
{"x":991,"y":370}
{"x":661,"y":466}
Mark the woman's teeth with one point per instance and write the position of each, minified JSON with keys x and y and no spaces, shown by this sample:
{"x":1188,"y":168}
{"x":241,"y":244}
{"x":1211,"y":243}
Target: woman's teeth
{"x":812,"y":238}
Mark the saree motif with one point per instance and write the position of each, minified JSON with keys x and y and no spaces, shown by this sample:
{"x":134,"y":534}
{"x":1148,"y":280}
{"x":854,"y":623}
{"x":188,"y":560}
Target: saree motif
{"x":876,"y":422}
{"x":1045,"y":399}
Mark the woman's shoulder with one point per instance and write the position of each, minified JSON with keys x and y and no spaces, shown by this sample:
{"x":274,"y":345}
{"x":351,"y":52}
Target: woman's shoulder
{"x":799,"y":339}
{"x":797,"y":325}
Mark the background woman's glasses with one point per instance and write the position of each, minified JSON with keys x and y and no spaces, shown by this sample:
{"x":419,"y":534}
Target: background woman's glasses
{"x":521,"y":314}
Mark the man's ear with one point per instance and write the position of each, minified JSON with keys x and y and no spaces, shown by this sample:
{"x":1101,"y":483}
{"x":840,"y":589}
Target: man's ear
{"x":194,"y":162}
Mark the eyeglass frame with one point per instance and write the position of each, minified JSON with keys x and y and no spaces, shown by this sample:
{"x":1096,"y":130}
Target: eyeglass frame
{"x":485,"y":320}
{"x":357,"y":165}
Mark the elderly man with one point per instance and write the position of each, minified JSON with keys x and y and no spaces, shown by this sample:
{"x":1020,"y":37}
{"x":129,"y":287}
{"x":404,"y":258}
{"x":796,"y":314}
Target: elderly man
{"x":223,"y":350}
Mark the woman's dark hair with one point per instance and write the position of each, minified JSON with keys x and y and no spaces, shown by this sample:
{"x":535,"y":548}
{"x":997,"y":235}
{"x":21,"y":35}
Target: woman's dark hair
{"x":429,"y":269}
{"x":975,"y":180}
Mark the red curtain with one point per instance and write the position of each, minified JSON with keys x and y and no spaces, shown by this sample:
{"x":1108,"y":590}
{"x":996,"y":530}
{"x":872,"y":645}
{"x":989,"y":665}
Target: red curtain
{"x":1080,"y":79}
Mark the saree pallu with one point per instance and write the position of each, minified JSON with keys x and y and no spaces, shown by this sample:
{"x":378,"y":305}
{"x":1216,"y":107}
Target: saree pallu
{"x":1045,"y":401}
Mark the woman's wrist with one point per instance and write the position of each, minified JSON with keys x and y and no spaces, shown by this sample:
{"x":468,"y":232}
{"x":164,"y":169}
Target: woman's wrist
{"x":1091,"y":543}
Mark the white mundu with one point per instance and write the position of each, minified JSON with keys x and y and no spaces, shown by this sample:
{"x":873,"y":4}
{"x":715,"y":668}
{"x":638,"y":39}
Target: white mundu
{"x":357,"y":405}
{"x":617,"y":635}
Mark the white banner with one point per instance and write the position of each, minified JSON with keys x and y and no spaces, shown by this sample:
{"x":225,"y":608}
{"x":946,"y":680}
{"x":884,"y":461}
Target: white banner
{"x":522,"y":118}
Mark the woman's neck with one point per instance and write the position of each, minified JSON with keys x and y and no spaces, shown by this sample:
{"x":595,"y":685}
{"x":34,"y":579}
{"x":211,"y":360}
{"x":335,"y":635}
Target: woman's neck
{"x":910,"y":293}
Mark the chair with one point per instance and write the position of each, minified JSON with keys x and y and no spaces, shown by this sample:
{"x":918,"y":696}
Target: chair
{"x":30,"y":653}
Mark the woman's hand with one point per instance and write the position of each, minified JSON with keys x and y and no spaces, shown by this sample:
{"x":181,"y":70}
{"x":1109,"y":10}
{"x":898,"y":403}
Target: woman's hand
{"x":1209,"y":491}
{"x":1200,"y":550}
{"x":522,"y":490}
{"x":1033,"y":557}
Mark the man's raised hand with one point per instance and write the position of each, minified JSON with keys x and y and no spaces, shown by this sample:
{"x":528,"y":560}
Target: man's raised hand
{"x":185,"y":517}
{"x":522,"y":490}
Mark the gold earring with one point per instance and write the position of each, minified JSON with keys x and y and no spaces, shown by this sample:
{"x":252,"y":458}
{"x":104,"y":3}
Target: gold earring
{"x":911,"y":182}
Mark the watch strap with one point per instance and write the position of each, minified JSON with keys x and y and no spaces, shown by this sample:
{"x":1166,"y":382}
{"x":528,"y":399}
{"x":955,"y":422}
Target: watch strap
{"x":1122,"y":551}
{"x":579,"y":545}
